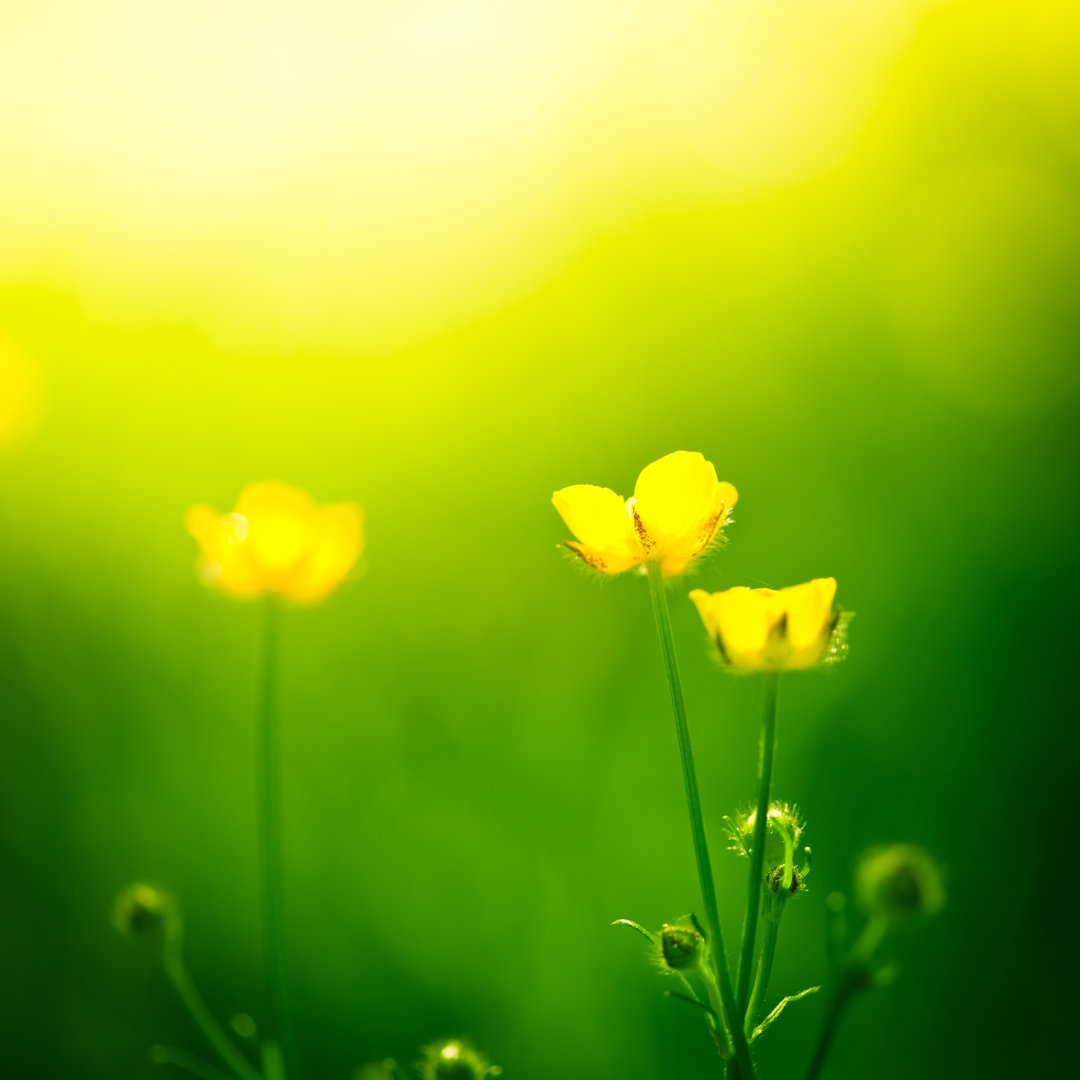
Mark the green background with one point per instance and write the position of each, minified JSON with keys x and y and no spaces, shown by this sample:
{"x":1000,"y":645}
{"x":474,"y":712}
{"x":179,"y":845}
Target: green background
{"x":481,"y":770}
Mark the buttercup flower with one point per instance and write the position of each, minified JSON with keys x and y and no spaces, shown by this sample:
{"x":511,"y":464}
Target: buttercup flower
{"x":677,"y":510}
{"x":771,"y":629}
{"x":277,"y":541}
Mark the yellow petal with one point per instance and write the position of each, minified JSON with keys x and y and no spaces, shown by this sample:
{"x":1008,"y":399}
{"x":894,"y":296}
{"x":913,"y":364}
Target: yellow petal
{"x":770,"y":630}
{"x":809,"y":610}
{"x":726,"y":496}
{"x":280,"y":524}
{"x":335,"y":544}
{"x":600,"y":521}
{"x":744,"y":618}
{"x":224,"y":561}
{"x":607,"y":561}
{"x":678,"y":508}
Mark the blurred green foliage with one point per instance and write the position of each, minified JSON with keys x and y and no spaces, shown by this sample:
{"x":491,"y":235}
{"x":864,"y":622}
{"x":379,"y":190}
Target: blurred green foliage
{"x":481,"y":772}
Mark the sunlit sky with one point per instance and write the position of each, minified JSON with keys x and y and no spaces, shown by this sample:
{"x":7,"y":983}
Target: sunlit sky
{"x":356,"y":178}
{"x":378,"y":168}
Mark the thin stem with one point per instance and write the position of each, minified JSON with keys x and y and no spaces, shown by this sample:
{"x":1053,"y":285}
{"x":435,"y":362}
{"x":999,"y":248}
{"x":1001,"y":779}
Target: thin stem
{"x":764,"y":967}
{"x":757,"y":850}
{"x":840,"y":997}
{"x":852,"y":976}
{"x":201,"y":1014}
{"x":730,"y":1015}
{"x":268,"y":816}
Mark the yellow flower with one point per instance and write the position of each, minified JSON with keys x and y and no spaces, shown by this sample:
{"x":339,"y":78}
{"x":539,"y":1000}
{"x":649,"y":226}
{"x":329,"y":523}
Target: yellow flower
{"x":677,"y":510}
{"x":20,"y":395}
{"x":277,"y":541}
{"x":771,"y":629}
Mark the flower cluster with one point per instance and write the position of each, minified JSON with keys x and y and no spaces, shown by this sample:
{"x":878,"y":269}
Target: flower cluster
{"x":677,"y":512}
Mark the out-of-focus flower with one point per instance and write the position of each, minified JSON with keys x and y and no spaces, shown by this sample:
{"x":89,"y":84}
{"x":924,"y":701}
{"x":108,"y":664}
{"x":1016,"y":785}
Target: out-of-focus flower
{"x":677,"y":510}
{"x":455,"y":1060}
{"x":772,"y":629}
{"x":20,"y":395}
{"x":898,"y":883}
{"x":146,"y":911}
{"x":278,"y":541}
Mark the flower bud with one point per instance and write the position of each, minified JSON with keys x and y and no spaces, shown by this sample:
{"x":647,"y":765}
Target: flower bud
{"x":898,"y":883}
{"x":774,"y":878}
{"x":682,"y":947}
{"x":145,"y":911}
{"x":454,"y":1060}
{"x":783,"y":827}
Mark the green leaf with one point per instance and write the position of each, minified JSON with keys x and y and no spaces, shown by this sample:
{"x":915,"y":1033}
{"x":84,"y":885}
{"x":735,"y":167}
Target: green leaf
{"x":760,"y":1029}
{"x":649,"y":937}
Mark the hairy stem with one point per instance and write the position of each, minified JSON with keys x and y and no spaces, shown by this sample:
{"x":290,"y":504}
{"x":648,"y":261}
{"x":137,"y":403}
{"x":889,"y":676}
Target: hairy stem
{"x":769,"y":933}
{"x":757,"y":850}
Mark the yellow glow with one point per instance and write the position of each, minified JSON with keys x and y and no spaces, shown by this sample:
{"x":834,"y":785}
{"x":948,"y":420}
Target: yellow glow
{"x":772,"y":93}
{"x":20,"y":395}
{"x":1048,"y":40}
{"x":366,"y":175}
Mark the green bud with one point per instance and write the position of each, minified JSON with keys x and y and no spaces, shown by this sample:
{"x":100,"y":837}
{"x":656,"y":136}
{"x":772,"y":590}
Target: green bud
{"x":454,"y":1060}
{"x":682,"y":947}
{"x":774,"y":878}
{"x":898,"y":883}
{"x":783,"y":826}
{"x":145,"y":911}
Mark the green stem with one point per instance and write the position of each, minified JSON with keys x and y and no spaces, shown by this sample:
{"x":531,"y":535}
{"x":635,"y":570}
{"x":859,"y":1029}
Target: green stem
{"x":852,"y":976}
{"x":764,"y":968}
{"x":730,"y":1017}
{"x":757,"y":850}
{"x":268,"y":815}
{"x":201,"y":1014}
{"x":840,"y":997}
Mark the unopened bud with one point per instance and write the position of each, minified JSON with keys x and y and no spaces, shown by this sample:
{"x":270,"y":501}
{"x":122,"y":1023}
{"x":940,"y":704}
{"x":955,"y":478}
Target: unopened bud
{"x":898,"y":883}
{"x":775,"y":879}
{"x":454,"y":1060}
{"x":784,"y":827}
{"x":682,"y":947}
{"x":145,"y":911}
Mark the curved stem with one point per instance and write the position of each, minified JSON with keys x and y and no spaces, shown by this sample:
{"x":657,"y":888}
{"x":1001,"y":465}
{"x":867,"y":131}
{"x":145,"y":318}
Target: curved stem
{"x":764,"y":968}
{"x":731,"y":1016}
{"x":201,"y":1014}
{"x":268,"y":817}
{"x":757,"y":850}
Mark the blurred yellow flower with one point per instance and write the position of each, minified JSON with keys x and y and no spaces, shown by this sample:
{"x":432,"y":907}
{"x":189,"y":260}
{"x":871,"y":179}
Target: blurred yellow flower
{"x":277,"y":541}
{"x":677,"y":510}
{"x":20,"y":394}
{"x":771,"y":629}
